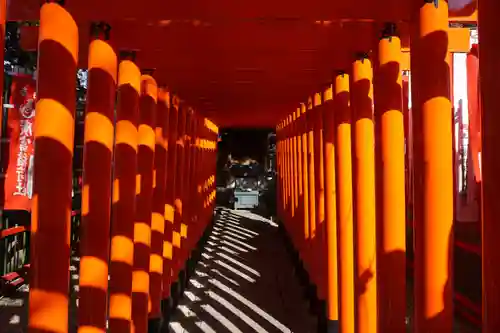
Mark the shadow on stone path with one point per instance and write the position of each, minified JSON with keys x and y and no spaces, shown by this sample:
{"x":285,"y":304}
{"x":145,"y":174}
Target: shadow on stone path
{"x":245,"y":282}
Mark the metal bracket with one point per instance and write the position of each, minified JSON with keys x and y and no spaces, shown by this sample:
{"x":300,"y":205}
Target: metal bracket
{"x":435,"y":2}
{"x":61,"y":3}
{"x":362,"y":56}
{"x":98,"y":29}
{"x":148,"y":71}
{"x":29,"y":23}
{"x":128,"y":55}
{"x":341,"y":73}
{"x":390,"y":30}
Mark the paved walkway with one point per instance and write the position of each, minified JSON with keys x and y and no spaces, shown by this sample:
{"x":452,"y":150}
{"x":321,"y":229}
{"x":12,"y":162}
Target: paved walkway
{"x":244,"y":282}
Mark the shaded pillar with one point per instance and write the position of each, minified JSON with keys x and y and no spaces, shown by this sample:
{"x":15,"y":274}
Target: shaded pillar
{"x":191,"y":195}
{"x":187,"y":225}
{"x":96,"y":192}
{"x":364,"y":196}
{"x":295,"y":171}
{"x":54,"y":139}
{"x":170,"y":197}
{"x":158,"y":216}
{"x":299,"y":178}
{"x":319,"y":242}
{"x":343,"y":160}
{"x":304,"y":252}
{"x":390,"y":159}
{"x":490,"y":162}
{"x":124,"y":198}
{"x":279,"y":152}
{"x":311,"y":259}
{"x":144,"y":198}
{"x":179,"y":188}
{"x":288,"y":175}
{"x":433,"y":168}
{"x":330,"y":261}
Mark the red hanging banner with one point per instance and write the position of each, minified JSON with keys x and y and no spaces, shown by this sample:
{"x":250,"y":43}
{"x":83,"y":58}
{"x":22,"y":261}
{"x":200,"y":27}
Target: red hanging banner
{"x":19,"y":173}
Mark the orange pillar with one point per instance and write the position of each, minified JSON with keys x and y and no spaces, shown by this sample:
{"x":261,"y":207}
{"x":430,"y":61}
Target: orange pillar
{"x":158,"y":216}
{"x":304,"y":252}
{"x":279,"y":169}
{"x":3,"y":15}
{"x":432,"y":116}
{"x":288,"y":176}
{"x":54,"y":132}
{"x":168,"y":252}
{"x":343,"y":157}
{"x":179,"y":187}
{"x":186,"y":227}
{"x":295,"y":171}
{"x":364,"y":197}
{"x":312,"y":192}
{"x":144,"y":198}
{"x":124,"y":194}
{"x":489,"y":69}
{"x":299,"y":221}
{"x":96,"y":193}
{"x":330,"y":257}
{"x":191,"y":192}
{"x":319,"y":250}
{"x":391,"y":260}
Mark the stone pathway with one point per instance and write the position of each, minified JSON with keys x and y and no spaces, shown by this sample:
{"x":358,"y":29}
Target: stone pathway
{"x":244,"y":282}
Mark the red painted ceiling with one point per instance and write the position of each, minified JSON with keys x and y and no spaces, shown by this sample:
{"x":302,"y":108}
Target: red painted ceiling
{"x":242,"y":63}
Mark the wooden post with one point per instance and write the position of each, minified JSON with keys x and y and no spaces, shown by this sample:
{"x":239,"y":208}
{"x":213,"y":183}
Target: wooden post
{"x":364,"y":197}
{"x":433,"y":171}
{"x":390,"y":159}
{"x":124,"y":194}
{"x":99,"y":135}
{"x":54,"y":134}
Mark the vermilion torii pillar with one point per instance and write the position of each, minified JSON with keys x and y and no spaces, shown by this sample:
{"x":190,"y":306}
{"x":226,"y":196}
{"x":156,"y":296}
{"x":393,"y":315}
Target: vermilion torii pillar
{"x":319,"y":250}
{"x":158,"y":216}
{"x":391,"y":231}
{"x":311,"y":260}
{"x":303,"y":160}
{"x":433,"y":168}
{"x":178,"y":195}
{"x":288,"y":176}
{"x":170,"y":197}
{"x":296,"y":176}
{"x":54,"y":133}
{"x":364,"y":196}
{"x":279,"y":158}
{"x":330,"y":256}
{"x":96,"y":192}
{"x":345,"y":233}
{"x":291,"y":173}
{"x":144,"y":198}
{"x":489,"y":68}
{"x":124,"y":197}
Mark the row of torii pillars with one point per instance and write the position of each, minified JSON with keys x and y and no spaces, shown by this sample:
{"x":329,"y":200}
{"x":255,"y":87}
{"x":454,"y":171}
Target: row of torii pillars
{"x":341,"y":161}
{"x":148,"y":186}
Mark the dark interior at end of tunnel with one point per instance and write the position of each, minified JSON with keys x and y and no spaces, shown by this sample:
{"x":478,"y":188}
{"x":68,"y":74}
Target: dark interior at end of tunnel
{"x":243,"y":143}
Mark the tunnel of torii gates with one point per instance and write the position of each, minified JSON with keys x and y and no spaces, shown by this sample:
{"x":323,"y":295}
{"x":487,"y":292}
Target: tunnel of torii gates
{"x":329,"y":76}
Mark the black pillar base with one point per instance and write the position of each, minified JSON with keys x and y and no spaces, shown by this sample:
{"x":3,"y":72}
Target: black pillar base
{"x":332,"y":326}
{"x":321,"y":313}
{"x":175,"y":293}
{"x":154,"y":325}
{"x":312,"y":296}
{"x":183,"y":281}
{"x":167,"y":308}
